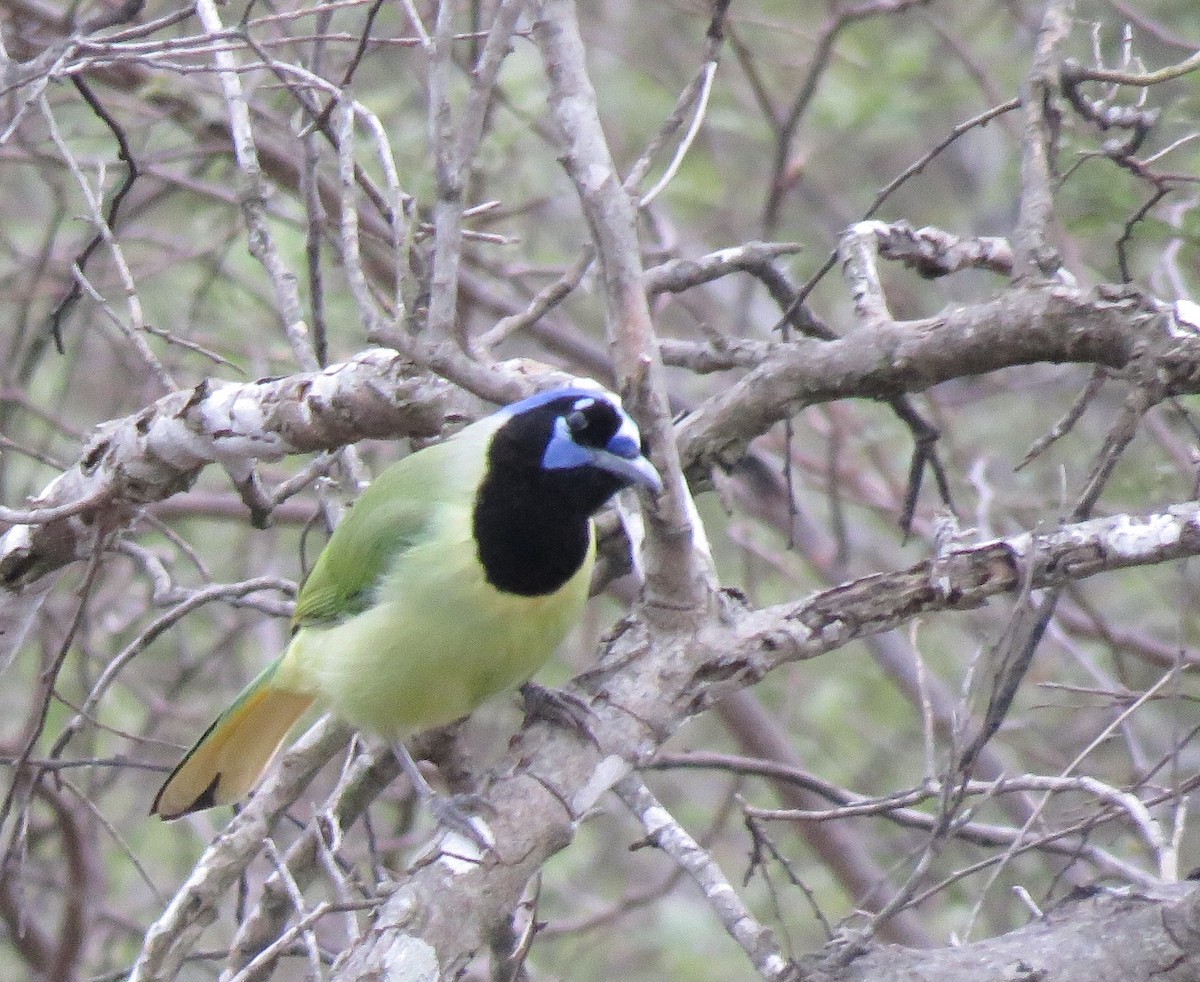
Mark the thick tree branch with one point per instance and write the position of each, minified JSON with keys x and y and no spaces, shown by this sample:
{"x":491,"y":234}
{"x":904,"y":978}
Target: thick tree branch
{"x":160,"y":451}
{"x":1111,"y":937}
{"x":641,"y":691}
{"x":1054,"y":324}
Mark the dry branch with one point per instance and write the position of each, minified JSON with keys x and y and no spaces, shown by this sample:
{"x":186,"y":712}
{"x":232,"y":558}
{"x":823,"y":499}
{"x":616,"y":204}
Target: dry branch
{"x":1111,"y":937}
{"x":160,"y":451}
{"x":643,"y":689}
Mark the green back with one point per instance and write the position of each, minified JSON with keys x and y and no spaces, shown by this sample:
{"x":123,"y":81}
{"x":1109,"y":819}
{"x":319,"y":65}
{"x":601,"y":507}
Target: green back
{"x":392,"y":516}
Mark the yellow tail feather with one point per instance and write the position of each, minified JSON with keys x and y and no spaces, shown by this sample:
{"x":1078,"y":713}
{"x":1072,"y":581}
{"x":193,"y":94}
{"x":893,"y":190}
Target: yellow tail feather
{"x":227,"y":761}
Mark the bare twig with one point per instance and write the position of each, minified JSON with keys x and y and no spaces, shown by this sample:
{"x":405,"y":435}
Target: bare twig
{"x":254,"y":195}
{"x":741,"y":925}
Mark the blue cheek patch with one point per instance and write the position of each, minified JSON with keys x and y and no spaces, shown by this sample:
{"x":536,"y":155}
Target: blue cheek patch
{"x":562,"y":452}
{"x":625,"y":446}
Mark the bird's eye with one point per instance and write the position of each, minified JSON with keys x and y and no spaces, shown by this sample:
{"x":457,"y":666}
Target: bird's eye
{"x":577,"y":421}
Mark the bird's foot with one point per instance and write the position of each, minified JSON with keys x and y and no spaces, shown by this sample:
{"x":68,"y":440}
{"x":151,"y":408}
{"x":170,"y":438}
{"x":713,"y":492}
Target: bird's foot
{"x":559,"y":708}
{"x":450,"y":811}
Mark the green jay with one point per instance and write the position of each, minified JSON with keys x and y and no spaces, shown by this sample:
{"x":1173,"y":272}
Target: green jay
{"x":454,"y":577}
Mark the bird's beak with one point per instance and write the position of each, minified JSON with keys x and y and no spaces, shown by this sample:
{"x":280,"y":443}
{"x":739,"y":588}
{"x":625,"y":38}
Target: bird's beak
{"x":632,"y":470}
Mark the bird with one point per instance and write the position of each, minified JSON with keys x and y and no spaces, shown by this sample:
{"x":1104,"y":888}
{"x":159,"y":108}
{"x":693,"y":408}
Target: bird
{"x":454,"y":577}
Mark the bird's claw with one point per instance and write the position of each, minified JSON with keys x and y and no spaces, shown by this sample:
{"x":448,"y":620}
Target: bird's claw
{"x":450,"y":812}
{"x":559,"y":708}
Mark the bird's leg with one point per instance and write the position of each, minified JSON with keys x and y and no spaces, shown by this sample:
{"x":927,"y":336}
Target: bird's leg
{"x":445,"y":809}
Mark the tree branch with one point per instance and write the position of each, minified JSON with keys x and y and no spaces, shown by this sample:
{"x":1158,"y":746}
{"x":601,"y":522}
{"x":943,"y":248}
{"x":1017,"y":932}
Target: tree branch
{"x":641,"y":691}
{"x":1111,"y":937}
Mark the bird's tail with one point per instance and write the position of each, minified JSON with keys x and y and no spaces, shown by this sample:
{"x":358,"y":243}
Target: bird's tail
{"x":227,"y":761}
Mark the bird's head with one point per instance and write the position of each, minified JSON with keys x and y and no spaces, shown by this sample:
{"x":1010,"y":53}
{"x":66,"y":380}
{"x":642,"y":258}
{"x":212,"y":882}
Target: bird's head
{"x":582,"y":436}
{"x":551,"y":462}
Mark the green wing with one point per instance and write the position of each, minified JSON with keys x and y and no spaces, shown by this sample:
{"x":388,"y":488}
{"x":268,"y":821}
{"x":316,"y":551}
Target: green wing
{"x":392,"y":515}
